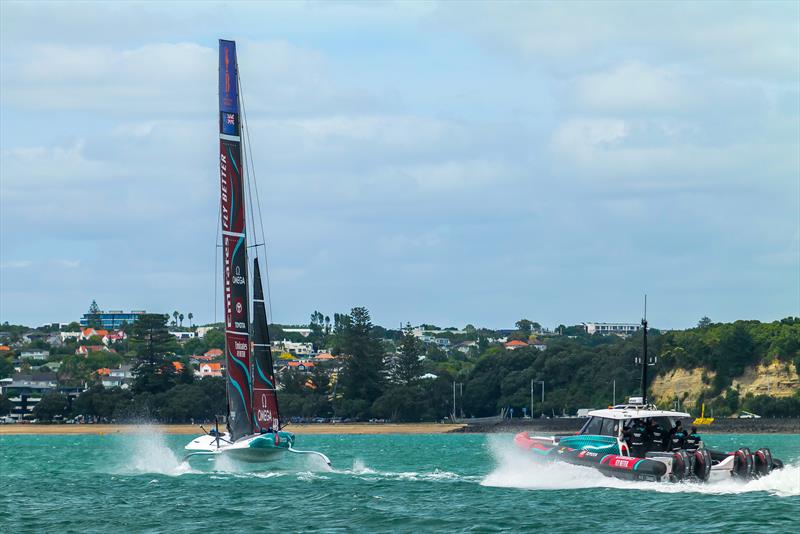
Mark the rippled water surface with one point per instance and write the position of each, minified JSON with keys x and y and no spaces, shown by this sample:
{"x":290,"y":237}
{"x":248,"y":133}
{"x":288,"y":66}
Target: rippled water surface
{"x":454,"y":482}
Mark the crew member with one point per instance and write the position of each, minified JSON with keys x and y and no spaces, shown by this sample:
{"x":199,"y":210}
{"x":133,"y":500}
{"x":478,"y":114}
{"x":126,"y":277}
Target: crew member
{"x":657,"y":436}
{"x":639,"y":439}
{"x":692,"y":441}
{"x":677,"y":437}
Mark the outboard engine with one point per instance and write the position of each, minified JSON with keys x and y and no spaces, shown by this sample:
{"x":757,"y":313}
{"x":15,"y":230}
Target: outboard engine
{"x":743,"y":464}
{"x":702,"y":464}
{"x":681,"y":466}
{"x":762,"y":462}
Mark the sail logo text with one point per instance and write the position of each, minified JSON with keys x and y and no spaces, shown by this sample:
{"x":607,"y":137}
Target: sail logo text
{"x":228,"y":297}
{"x":223,"y":174}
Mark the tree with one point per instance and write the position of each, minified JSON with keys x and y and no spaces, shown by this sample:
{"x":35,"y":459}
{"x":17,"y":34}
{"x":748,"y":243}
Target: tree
{"x":6,"y":367}
{"x":50,"y":406}
{"x":175,"y":317}
{"x":191,"y":316}
{"x":180,"y":318}
{"x":5,"y":405}
{"x":152,"y":342}
{"x":408,"y":366}
{"x":93,"y":319}
{"x":704,"y":322}
{"x":361,"y":378}
{"x":525,"y":326}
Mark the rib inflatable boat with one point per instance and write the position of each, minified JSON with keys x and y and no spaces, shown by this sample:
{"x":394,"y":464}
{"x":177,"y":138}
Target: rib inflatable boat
{"x":609,"y":443}
{"x":637,"y":441}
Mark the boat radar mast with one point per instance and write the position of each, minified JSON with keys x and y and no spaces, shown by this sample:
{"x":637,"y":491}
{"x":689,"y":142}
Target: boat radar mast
{"x":644,"y":361}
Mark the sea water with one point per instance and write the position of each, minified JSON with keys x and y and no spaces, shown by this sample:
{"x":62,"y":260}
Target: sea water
{"x":446,"y":483}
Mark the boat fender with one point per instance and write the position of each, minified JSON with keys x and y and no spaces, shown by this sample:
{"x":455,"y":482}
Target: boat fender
{"x":743,"y":463}
{"x":702,"y":464}
{"x":763,"y":462}
{"x":680,"y":465}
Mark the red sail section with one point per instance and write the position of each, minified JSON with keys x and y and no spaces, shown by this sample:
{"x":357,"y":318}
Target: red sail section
{"x":265,"y":400}
{"x":234,"y":246}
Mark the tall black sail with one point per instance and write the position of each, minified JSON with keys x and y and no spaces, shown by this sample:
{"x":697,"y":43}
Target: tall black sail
{"x":265,"y":399}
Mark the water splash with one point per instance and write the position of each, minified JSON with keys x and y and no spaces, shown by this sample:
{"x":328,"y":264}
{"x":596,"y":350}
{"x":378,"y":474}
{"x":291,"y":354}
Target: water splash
{"x":360,"y":470}
{"x":516,"y":468}
{"x":149,"y":453}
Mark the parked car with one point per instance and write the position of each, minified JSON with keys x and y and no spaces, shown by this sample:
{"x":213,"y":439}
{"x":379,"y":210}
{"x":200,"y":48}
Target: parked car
{"x":748,"y":415}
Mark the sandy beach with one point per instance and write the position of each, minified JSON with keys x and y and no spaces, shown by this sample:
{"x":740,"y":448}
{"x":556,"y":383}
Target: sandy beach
{"x":342,"y":428}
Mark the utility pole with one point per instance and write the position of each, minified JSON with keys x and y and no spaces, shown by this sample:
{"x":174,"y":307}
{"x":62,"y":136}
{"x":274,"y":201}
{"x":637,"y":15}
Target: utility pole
{"x":461,"y":396}
{"x":614,"y":393}
{"x":454,"y":400}
{"x":531,"y":398}
{"x":542,"y":383}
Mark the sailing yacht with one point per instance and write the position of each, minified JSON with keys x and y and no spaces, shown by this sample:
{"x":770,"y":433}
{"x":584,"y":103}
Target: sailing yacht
{"x":253,"y":427}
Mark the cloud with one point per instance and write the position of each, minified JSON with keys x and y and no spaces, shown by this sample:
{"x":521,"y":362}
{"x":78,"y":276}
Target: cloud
{"x":633,"y":87}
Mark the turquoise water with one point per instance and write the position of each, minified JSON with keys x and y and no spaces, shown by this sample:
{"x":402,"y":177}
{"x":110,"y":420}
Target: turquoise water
{"x":448,"y":483}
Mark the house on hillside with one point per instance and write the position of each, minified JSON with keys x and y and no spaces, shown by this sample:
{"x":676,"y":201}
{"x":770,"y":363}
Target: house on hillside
{"x":113,"y":337}
{"x":465,"y":346}
{"x":88,"y":333}
{"x":84,"y":350}
{"x":34,"y":354}
{"x":611,"y":328}
{"x":515,"y":344}
{"x":302,"y":366}
{"x":209,"y":369}
{"x":214,"y":353}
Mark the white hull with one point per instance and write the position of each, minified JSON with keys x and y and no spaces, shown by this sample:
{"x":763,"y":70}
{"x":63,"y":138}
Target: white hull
{"x":257,"y":448}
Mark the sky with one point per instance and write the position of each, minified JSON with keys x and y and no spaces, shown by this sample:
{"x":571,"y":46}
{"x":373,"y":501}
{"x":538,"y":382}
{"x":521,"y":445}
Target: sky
{"x":446,"y":163}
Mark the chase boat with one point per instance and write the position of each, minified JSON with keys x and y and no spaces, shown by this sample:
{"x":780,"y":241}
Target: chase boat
{"x":637,"y":441}
{"x":605,"y":443}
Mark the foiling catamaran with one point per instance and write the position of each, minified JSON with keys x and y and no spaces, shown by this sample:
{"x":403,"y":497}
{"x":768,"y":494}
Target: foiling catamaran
{"x":253,"y":432}
{"x":637,"y":441}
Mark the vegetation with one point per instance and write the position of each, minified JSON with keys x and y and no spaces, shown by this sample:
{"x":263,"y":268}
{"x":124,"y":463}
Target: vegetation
{"x":393,"y":375}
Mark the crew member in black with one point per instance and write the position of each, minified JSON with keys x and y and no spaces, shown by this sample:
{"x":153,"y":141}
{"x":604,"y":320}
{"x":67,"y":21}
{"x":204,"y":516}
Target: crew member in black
{"x":657,"y":435}
{"x":639,"y":439}
{"x":692,"y":441}
{"x":677,"y":437}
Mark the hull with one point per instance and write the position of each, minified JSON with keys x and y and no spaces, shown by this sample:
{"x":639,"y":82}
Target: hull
{"x":699,"y":465}
{"x":267,"y":447}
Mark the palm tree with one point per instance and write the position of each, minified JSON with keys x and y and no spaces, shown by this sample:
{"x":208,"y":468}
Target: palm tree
{"x":191,"y":316}
{"x":175,"y":315}
{"x":180,"y":318}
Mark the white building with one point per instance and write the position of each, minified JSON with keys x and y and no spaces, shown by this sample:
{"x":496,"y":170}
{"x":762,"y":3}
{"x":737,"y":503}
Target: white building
{"x":201,"y":331}
{"x":293,"y":347}
{"x":305,"y":332}
{"x":34,"y":354}
{"x":183,"y":336}
{"x":611,"y":328}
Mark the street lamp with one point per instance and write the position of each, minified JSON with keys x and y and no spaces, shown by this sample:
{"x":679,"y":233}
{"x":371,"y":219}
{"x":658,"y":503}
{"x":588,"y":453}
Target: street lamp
{"x":542,"y":383}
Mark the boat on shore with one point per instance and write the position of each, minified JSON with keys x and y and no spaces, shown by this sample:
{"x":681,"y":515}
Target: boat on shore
{"x":253,"y":430}
{"x":638,"y":441}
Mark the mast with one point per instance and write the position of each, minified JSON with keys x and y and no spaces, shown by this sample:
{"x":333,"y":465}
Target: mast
{"x":265,"y":397}
{"x":644,"y":355}
{"x":234,"y":247}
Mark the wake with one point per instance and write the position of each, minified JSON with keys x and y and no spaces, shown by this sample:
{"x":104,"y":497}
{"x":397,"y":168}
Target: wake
{"x":515,"y":468}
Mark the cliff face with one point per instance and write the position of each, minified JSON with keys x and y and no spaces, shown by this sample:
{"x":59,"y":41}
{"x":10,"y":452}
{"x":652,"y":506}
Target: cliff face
{"x":777,"y":379}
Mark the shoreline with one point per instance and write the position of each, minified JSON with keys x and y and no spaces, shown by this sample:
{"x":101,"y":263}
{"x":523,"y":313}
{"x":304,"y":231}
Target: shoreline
{"x":339,"y":428}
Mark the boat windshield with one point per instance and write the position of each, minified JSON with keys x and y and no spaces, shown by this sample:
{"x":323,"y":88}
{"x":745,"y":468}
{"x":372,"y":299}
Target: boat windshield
{"x":592,"y":427}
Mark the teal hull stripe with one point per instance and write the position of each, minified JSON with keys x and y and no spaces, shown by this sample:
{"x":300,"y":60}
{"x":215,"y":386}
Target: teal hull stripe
{"x":636,"y":466}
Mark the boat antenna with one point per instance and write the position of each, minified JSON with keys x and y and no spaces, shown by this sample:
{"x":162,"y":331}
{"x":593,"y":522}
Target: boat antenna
{"x":644,"y":355}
